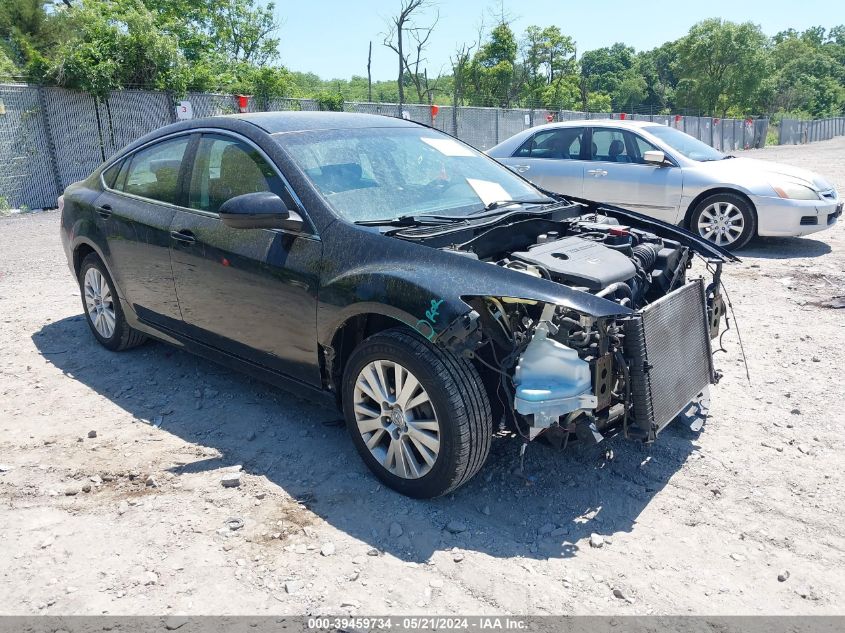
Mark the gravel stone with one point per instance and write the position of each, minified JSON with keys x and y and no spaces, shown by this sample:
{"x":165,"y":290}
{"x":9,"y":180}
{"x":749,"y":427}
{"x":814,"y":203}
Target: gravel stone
{"x":231,"y":480}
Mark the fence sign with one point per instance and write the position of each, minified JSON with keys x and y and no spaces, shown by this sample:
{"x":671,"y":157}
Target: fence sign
{"x":184,"y":111}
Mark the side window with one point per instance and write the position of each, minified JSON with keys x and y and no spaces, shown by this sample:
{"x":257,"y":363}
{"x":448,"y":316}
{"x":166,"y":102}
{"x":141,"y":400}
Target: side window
{"x":639,"y":146}
{"x":609,"y":146}
{"x":154,"y":172}
{"x":110,"y":175}
{"x":560,"y":144}
{"x":226,"y":167}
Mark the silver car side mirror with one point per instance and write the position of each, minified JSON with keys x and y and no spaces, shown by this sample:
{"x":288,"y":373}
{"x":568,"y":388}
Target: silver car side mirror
{"x":654,"y":157}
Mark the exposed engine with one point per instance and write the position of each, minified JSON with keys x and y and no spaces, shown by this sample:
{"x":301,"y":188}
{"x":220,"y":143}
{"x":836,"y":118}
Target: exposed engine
{"x":566,"y":372}
{"x":623,"y":264}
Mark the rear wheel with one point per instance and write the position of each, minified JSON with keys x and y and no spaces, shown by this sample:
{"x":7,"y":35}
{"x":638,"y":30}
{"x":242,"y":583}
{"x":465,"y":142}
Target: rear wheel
{"x":418,"y":415}
{"x":726,"y":219}
{"x":102,"y":307}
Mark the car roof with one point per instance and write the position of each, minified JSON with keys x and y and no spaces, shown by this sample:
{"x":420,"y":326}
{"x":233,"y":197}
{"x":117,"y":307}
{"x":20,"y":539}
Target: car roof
{"x":620,"y":123}
{"x":299,"y":121}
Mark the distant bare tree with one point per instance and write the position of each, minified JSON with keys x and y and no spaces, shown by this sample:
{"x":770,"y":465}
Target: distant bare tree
{"x":394,"y":38}
{"x":369,"y":73}
{"x":415,"y":60}
{"x":460,"y":63}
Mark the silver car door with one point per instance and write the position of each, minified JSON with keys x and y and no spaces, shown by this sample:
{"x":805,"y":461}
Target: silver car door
{"x":549,"y":158}
{"x":617,"y":174}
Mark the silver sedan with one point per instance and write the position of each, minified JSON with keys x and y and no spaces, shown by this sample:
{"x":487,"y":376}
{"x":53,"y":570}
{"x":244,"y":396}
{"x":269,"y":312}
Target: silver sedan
{"x":662,"y":172}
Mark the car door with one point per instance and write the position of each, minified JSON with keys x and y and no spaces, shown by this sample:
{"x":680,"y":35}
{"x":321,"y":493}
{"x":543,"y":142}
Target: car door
{"x":616,"y":173}
{"x":134,"y":213}
{"x":251,"y":293}
{"x":550,"y":158}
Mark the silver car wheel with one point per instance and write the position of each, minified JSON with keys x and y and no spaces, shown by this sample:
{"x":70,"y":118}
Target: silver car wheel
{"x":98,"y":301}
{"x":396,"y":419}
{"x":721,"y":223}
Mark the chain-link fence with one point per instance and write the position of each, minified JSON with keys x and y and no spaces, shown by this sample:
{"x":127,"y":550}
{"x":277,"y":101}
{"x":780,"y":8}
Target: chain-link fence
{"x":795,"y":131}
{"x":51,"y":137}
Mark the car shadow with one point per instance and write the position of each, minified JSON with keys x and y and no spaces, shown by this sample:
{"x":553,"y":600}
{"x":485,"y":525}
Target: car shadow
{"x":784,"y":248}
{"x":548,"y":510}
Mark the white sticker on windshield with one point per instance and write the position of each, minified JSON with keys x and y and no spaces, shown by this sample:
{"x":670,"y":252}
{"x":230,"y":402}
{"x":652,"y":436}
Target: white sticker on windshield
{"x":488,"y":191}
{"x":448,"y":146}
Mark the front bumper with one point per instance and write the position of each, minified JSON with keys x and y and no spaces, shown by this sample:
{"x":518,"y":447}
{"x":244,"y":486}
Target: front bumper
{"x":784,"y":218}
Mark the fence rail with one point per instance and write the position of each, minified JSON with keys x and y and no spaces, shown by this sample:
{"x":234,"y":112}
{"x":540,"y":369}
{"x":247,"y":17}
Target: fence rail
{"x":51,"y":137}
{"x":795,"y":131}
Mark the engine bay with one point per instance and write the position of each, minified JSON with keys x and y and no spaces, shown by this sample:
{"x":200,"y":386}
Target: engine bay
{"x":595,"y":254}
{"x":561,"y":373}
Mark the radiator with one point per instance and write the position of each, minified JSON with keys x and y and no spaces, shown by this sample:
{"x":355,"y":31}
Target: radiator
{"x":667,"y":345}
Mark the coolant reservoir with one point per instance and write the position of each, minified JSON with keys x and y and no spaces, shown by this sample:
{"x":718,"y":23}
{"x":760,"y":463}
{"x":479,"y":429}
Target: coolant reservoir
{"x":551,"y":380}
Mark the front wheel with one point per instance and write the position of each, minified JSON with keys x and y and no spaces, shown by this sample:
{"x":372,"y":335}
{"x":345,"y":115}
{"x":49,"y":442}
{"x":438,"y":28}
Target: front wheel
{"x":418,"y":415}
{"x":726,"y":219}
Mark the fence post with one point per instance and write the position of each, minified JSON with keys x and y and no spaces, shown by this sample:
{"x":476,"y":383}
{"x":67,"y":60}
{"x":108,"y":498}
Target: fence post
{"x":171,"y":103}
{"x":51,"y":145}
{"x":497,"y":126}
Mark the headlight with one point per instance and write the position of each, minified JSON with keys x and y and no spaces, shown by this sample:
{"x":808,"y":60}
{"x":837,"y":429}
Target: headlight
{"x":794,"y":191}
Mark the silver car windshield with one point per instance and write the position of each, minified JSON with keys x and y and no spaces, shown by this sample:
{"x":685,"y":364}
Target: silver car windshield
{"x":383,"y":173}
{"x":685,"y":144}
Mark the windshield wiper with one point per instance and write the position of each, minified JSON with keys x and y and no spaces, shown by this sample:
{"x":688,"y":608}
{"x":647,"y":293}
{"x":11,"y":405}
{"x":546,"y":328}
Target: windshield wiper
{"x":412,"y":220}
{"x":500,"y":203}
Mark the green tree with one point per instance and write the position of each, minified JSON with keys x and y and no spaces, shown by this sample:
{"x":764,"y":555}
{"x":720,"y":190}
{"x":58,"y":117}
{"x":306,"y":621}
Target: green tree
{"x":115,"y":46}
{"x":548,"y":60}
{"x":720,"y":64}
{"x":7,"y":66}
{"x":492,"y":72}
{"x":807,"y":74}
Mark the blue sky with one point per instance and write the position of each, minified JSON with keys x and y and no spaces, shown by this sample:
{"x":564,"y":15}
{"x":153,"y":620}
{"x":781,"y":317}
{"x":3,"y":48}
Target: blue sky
{"x":330,"y":37}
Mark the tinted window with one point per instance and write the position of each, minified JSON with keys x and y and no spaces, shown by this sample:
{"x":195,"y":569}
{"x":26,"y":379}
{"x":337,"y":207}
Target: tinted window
{"x":225,"y":168}
{"x":562,"y":143}
{"x":154,"y":172}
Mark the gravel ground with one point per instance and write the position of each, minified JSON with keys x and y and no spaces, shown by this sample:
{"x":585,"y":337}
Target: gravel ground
{"x":111,"y":498}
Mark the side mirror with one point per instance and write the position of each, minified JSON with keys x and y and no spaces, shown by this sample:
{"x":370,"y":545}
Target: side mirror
{"x":259,"y":210}
{"x":655,"y":157}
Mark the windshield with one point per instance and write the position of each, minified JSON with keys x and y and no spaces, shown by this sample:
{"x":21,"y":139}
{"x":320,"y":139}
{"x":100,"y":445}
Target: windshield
{"x":383,"y":173}
{"x":684,"y":144}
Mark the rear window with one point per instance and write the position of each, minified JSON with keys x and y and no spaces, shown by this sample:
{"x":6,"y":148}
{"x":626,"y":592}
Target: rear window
{"x":154,"y":172}
{"x":561,"y":144}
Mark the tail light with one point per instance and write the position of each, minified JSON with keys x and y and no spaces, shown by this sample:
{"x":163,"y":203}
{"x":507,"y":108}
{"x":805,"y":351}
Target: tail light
{"x":61,"y":202}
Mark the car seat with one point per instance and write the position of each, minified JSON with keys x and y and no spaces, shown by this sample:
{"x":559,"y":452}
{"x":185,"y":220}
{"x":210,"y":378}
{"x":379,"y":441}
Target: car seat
{"x":239,"y":174}
{"x":616,"y":152}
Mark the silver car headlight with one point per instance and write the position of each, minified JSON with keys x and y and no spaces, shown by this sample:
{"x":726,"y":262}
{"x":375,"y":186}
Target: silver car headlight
{"x":794,"y":191}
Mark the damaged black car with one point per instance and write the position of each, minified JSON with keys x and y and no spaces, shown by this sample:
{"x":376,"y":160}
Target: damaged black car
{"x":435,"y":296}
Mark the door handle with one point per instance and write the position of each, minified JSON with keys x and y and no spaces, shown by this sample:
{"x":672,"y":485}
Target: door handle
{"x":104,"y":211}
{"x":522,"y":168}
{"x":597,"y":172}
{"x":184,"y":236}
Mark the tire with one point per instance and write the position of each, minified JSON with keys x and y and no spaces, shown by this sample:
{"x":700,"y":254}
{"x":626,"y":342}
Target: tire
{"x":720,"y":212}
{"x":457,"y":407}
{"x":105,"y":308}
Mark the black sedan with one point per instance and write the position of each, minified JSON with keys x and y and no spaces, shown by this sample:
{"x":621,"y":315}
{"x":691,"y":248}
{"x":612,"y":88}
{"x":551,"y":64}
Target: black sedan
{"x":433,"y":294}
